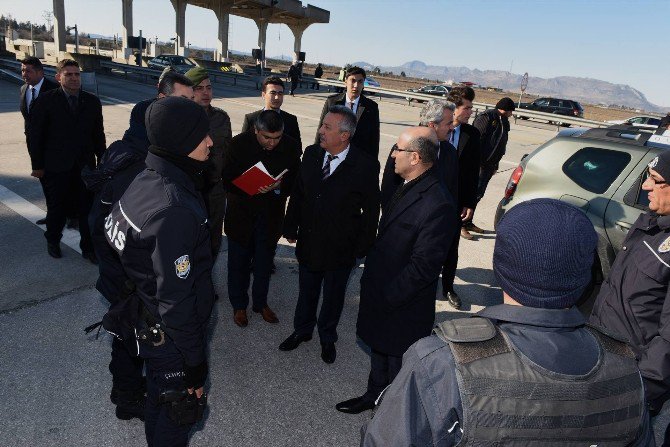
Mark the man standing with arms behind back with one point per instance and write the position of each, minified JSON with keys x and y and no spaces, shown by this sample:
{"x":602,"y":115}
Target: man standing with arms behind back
{"x":32,"y":73}
{"x":493,"y":126}
{"x":221,"y":133}
{"x":65,"y":134}
{"x":273,"y":97}
{"x":333,"y":215}
{"x":366,"y":136}
{"x":399,"y":282}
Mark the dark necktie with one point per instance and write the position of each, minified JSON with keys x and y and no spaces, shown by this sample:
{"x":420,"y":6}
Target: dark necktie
{"x":73,"y":103}
{"x":33,"y":95}
{"x":351,"y":104}
{"x":325,"y":172}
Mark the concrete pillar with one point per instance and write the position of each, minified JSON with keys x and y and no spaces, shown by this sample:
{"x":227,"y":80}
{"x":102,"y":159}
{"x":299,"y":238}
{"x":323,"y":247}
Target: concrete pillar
{"x":223,"y":15}
{"x":59,"y":26}
{"x":297,"y":31}
{"x":262,"y":25}
{"x":127,"y":23}
{"x":180,"y":29}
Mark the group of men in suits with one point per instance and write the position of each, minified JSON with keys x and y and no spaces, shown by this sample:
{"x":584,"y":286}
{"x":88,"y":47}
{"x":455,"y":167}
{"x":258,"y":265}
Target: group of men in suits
{"x":64,"y":134}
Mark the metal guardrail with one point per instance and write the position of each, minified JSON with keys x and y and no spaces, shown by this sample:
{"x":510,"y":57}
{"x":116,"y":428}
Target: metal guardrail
{"x":477,"y":106}
{"x":145,"y":73}
{"x":217,"y":76}
{"x":88,"y":80}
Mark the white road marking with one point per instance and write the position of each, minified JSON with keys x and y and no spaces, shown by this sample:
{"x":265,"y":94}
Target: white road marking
{"x":33,"y":213}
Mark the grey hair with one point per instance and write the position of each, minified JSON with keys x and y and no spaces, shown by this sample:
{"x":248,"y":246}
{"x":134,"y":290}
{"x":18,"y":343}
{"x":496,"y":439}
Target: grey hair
{"x":349,"y":121}
{"x":426,"y":148}
{"x":433,"y":111}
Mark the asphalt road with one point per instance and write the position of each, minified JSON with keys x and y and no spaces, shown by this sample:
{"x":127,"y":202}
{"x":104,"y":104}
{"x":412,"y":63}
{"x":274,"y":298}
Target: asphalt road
{"x":54,"y":378}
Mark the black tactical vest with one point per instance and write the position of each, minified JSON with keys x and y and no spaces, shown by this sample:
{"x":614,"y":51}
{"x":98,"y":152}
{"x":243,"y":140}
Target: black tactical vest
{"x":509,"y":400}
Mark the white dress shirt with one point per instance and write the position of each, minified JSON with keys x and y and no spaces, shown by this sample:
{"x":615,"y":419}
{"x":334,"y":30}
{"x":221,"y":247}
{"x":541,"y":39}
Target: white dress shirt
{"x":336,"y":161}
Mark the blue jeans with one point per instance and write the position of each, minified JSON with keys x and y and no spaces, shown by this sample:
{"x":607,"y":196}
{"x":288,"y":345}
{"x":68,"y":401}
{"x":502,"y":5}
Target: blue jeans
{"x":260,"y":250}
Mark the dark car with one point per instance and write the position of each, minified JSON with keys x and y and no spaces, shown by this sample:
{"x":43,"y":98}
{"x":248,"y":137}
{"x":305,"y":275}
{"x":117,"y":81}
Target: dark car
{"x":180,"y":63}
{"x":566,"y":107}
{"x":436,"y":90}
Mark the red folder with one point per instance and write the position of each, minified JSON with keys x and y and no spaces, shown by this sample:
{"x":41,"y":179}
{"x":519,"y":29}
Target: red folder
{"x":256,"y":177}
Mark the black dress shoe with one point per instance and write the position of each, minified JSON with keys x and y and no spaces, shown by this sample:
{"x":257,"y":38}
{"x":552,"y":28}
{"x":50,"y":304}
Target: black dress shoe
{"x":293,"y":341}
{"x":54,"y":250}
{"x":453,"y":299}
{"x":41,"y":221}
{"x":90,"y":255}
{"x":355,"y":405}
{"x":328,"y":352}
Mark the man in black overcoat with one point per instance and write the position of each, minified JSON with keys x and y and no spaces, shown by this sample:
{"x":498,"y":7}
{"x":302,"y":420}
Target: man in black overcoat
{"x":65,"y":134}
{"x":366,"y":136}
{"x":399,"y":282}
{"x":332,"y":214}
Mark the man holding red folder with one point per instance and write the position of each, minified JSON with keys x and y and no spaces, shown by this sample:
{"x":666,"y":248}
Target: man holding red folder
{"x":253,"y":222}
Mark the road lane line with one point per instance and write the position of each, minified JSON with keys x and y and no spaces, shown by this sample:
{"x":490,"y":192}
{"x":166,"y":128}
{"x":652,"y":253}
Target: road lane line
{"x":33,"y":213}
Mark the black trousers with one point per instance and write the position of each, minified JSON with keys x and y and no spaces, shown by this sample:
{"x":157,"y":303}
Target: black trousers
{"x":383,"y":369}
{"x":334,"y":287}
{"x":450,"y":264}
{"x":294,"y":85}
{"x":61,"y":190}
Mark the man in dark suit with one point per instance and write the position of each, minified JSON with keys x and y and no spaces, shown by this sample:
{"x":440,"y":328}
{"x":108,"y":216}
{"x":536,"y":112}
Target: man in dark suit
{"x":32,"y":72}
{"x":253,"y":223}
{"x":332,"y":215}
{"x":399,"y":282}
{"x":466,"y":140}
{"x":366,"y":136}
{"x":65,"y":134}
{"x":272,"y":92}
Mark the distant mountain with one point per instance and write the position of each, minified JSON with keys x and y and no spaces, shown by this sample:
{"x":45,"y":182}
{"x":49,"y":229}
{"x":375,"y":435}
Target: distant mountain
{"x":592,"y":91}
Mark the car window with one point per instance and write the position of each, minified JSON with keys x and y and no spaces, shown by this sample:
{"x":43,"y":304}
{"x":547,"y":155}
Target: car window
{"x":595,"y":169}
{"x":542,"y":102}
{"x":654,"y":122}
{"x":553,"y":103}
{"x":636,"y":120}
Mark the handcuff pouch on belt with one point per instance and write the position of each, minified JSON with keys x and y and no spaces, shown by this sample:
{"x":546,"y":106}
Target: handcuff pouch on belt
{"x":183,"y":408}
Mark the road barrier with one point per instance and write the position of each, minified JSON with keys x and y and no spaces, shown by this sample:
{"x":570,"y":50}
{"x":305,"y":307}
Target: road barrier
{"x":230,"y":78}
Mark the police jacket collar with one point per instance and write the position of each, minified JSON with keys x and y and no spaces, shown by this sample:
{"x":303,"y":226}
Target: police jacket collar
{"x":169,"y":170}
{"x":552,"y":318}
{"x":653,"y":219}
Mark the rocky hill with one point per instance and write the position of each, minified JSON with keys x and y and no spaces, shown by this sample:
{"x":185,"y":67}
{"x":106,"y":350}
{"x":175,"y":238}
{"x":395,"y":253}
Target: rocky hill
{"x":592,"y":91}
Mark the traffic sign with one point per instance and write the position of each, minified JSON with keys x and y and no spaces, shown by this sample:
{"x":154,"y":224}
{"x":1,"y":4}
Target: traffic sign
{"x":524,"y":82}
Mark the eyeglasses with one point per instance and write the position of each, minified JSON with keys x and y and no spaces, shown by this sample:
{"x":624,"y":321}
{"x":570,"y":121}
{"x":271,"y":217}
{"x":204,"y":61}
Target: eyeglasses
{"x":656,"y":182}
{"x":396,"y":148}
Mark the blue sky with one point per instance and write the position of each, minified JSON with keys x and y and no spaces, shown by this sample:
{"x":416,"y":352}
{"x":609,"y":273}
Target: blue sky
{"x":624,"y":42}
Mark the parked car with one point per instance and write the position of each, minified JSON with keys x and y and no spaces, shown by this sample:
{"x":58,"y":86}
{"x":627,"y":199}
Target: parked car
{"x":180,"y":63}
{"x":641,"y":121}
{"x":566,"y":107}
{"x":600,"y":171}
{"x":436,"y":90}
{"x":371,"y":82}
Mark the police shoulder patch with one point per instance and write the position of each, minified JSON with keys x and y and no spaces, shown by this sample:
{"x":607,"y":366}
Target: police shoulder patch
{"x":182,"y":266}
{"x":665,"y":246}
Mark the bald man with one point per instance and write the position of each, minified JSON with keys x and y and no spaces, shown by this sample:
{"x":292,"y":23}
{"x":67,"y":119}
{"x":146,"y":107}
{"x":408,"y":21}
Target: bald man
{"x":399,"y":282}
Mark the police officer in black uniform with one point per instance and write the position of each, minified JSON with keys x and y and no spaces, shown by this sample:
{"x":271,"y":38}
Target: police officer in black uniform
{"x":159,"y":228}
{"x":634,"y":300}
{"x":526,"y":372}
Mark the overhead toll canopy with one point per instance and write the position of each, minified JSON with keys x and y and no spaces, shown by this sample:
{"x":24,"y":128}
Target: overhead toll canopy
{"x":290,"y":12}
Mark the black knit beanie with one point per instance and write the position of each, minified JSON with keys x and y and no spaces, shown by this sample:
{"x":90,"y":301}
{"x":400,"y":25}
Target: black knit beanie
{"x":661,"y":164}
{"x":543,"y":253}
{"x":176,"y":125}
